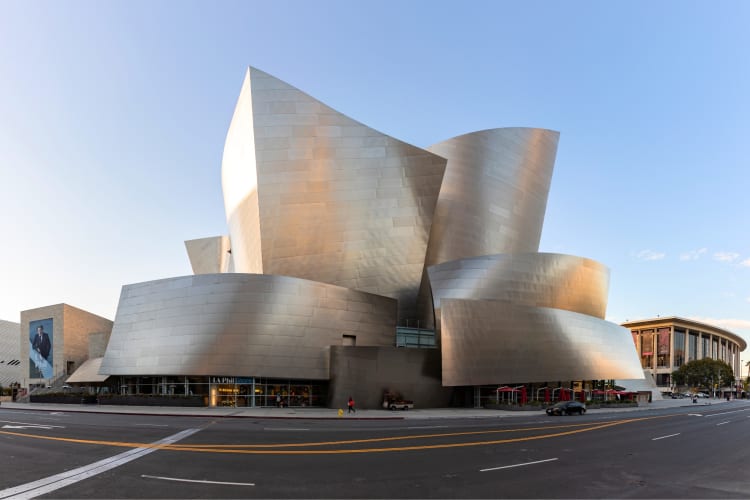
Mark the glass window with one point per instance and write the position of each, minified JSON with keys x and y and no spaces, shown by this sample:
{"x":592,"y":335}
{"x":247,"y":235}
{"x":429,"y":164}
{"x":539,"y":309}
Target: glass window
{"x":647,"y":348}
{"x":295,"y":393}
{"x":693,"y":346}
{"x":706,"y":352}
{"x":662,"y":347}
{"x":679,"y":348}
{"x":415,"y":337}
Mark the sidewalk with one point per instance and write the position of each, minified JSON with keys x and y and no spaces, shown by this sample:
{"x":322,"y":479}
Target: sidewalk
{"x":328,"y":413}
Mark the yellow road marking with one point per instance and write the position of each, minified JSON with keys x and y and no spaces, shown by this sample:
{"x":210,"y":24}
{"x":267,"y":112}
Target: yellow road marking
{"x":392,"y":438}
{"x":262,"y":449}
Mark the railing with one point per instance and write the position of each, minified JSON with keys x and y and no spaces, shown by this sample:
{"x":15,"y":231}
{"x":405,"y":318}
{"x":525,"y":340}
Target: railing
{"x":58,"y":379}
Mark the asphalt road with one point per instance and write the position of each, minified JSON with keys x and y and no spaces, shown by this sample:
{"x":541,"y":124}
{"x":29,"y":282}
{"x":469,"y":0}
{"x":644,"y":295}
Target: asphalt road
{"x":683,"y":452}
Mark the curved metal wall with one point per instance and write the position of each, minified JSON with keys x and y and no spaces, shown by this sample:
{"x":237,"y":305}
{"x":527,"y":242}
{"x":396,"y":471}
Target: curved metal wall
{"x":490,"y":342}
{"x":314,"y":194}
{"x":494,"y":193}
{"x":534,"y":279}
{"x":10,"y":353}
{"x":492,"y":200}
{"x":241,"y":325}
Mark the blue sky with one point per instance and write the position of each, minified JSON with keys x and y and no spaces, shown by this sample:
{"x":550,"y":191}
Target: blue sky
{"x":113,"y":117}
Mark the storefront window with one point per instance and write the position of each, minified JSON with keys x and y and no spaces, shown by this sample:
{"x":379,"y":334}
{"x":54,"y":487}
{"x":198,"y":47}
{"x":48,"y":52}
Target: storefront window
{"x":291,"y":393}
{"x":240,"y":392}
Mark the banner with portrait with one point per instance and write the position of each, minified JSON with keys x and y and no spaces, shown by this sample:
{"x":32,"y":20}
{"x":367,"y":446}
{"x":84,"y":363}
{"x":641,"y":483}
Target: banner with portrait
{"x":647,"y":343}
{"x":663,"y":341}
{"x":40,"y":348}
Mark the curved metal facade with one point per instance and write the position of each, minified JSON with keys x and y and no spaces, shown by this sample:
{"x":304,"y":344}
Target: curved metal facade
{"x":313,"y":194}
{"x":239,"y":325}
{"x":494,"y":193}
{"x":492,"y":200}
{"x":10,"y":347}
{"x":534,"y":279}
{"x":490,"y":341}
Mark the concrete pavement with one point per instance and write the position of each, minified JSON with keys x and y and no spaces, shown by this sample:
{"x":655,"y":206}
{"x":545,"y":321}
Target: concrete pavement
{"x":328,"y":413}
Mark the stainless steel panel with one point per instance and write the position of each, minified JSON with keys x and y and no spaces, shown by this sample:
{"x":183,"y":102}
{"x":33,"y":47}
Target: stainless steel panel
{"x":209,"y":255}
{"x":491,"y":342}
{"x":494,"y":193}
{"x":534,"y":279}
{"x":10,"y":352}
{"x":492,"y":199}
{"x":241,"y":325}
{"x":313,"y":194}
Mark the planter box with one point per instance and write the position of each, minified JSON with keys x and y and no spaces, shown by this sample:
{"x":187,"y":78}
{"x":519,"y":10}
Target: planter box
{"x":67,"y":399}
{"x":135,"y":400}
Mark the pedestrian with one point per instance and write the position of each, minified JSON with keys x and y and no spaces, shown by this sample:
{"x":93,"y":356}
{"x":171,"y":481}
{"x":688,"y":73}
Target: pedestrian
{"x":278,"y":400}
{"x":350,"y":405}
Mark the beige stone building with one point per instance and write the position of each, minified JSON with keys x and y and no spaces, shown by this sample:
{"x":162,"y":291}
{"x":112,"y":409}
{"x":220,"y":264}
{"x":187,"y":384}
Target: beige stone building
{"x":68,"y":330}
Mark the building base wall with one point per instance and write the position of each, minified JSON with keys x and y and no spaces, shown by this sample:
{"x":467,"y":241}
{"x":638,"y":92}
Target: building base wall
{"x":366,"y":373}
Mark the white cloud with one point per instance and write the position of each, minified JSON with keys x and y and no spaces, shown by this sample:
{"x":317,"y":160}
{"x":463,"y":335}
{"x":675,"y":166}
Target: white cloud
{"x":693,"y":254}
{"x":745,"y":263}
{"x":649,"y":255}
{"x":726,"y":256}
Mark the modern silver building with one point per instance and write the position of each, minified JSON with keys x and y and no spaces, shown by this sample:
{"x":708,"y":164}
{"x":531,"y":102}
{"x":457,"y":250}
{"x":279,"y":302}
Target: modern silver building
{"x":10,"y":353}
{"x":339,"y":235}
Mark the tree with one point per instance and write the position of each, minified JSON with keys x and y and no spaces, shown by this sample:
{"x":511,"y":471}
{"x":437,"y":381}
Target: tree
{"x":703,"y":373}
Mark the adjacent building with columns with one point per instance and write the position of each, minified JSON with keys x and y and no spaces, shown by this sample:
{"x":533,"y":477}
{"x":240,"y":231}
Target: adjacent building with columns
{"x":665,"y":344}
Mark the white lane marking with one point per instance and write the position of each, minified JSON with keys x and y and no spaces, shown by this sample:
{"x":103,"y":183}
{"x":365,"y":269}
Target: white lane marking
{"x":19,"y":412}
{"x":518,"y":465}
{"x":665,"y":437}
{"x":288,"y":429}
{"x":723,"y":413}
{"x":47,"y":427}
{"x":197,"y":481}
{"x":52,"y":483}
{"x":694,"y":415}
{"x":722,"y":423}
{"x":28,"y":424}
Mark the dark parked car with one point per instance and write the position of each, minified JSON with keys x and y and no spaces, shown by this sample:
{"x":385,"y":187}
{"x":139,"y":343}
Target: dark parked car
{"x":567,"y":408}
